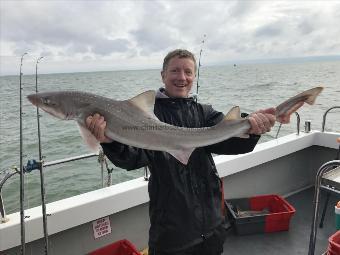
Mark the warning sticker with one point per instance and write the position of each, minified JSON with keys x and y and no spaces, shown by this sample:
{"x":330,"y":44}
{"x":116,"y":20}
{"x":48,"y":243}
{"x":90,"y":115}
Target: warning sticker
{"x":101,"y":227}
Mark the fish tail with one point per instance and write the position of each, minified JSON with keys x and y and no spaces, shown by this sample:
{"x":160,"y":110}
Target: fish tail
{"x":313,"y":95}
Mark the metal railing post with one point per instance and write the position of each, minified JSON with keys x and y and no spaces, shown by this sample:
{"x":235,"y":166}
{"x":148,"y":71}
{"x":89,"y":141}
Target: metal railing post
{"x":324,"y":117}
{"x":324,"y":168}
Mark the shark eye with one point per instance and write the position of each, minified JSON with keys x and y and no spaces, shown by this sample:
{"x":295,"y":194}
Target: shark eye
{"x":46,"y":101}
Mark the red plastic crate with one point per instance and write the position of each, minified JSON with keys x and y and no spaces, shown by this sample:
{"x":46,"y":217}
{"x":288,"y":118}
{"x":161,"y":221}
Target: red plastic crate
{"x":334,"y":244}
{"x":280,"y":211}
{"x":122,"y":247}
{"x":277,"y":219}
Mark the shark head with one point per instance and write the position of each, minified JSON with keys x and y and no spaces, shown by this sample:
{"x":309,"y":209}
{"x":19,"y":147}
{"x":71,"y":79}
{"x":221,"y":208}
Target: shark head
{"x":58,"y":104}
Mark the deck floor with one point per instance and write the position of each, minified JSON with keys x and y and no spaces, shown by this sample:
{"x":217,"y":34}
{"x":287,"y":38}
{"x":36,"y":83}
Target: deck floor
{"x":294,"y":241}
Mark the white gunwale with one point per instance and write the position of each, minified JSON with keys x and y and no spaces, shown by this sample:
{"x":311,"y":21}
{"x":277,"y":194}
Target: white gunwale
{"x":74,"y":211}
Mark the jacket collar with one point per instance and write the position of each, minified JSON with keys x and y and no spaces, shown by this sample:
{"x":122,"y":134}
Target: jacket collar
{"x":161,"y":95}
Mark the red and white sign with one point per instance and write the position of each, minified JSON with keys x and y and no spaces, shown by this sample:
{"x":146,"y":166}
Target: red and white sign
{"x":101,"y":227}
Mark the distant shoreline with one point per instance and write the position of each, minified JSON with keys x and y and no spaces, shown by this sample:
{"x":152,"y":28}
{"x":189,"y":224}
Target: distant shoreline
{"x":291,"y":60}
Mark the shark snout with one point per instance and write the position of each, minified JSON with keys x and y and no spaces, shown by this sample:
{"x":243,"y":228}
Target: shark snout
{"x":33,"y":99}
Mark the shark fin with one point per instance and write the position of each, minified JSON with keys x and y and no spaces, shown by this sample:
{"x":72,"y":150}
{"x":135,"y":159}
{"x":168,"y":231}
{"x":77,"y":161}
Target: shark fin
{"x":182,"y":155}
{"x":233,"y":114}
{"x":146,"y":102}
{"x":89,"y":138}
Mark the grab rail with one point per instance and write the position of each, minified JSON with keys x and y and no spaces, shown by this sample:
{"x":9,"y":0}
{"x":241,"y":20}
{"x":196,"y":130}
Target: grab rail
{"x":3,"y":218}
{"x":324,"y":168}
{"x":32,"y":166}
{"x":297,"y":126}
{"x":70,"y":159}
{"x":324,"y":117}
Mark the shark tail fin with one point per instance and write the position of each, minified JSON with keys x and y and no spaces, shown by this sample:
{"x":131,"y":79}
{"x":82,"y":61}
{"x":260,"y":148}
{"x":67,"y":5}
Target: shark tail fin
{"x":313,"y":94}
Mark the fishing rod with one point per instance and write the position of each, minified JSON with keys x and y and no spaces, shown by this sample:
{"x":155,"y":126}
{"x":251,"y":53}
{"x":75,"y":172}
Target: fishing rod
{"x":41,"y":167}
{"x":198,"y":70}
{"x":38,"y":116}
{"x":22,"y":188}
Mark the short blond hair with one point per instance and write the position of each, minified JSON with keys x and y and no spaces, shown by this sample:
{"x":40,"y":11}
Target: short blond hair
{"x":181,"y":53}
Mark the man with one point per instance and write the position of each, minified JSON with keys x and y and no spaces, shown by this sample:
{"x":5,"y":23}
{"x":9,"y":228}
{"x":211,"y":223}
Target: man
{"x":186,"y":213}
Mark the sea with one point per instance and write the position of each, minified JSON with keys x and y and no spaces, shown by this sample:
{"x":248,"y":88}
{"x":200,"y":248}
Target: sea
{"x":250,"y":86}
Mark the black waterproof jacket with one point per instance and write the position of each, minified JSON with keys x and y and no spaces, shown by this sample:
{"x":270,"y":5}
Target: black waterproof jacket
{"x":185,"y":200}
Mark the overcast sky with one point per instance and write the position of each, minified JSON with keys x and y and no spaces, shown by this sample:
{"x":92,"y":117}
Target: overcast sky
{"x":119,"y":35}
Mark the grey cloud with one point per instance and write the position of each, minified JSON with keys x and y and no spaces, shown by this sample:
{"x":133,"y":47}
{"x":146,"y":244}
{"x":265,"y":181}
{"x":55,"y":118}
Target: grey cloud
{"x":75,"y":28}
{"x":215,"y":45}
{"x":153,"y":39}
{"x":22,"y":46}
{"x":306,"y":27}
{"x":307,"y":24}
{"x":269,"y":30}
{"x":156,"y":31}
{"x":52,"y":27}
{"x":46,"y":53}
{"x":240,"y":9}
{"x":106,"y":46}
{"x":134,"y":29}
{"x":181,"y":24}
{"x":77,"y":47}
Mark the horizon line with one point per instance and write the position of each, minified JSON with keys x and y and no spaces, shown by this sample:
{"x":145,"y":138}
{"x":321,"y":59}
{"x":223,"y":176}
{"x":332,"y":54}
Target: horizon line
{"x":212,"y":64}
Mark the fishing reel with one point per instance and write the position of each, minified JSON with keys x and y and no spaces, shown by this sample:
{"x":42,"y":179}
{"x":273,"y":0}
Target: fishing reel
{"x":31,"y":165}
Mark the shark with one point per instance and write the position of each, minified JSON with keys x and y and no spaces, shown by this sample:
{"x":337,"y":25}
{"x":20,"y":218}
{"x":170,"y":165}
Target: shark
{"x":133,"y":122}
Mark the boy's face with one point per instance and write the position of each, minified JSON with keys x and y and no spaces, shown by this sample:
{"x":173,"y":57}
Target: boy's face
{"x":178,"y":77}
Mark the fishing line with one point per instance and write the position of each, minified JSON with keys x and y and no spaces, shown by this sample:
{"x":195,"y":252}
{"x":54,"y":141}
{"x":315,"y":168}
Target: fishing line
{"x":109,"y":172}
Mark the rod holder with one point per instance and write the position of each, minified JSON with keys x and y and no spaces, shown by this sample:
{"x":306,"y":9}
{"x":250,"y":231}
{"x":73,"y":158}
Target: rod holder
{"x":307,"y":126}
{"x":297,"y":123}
{"x":146,"y":173}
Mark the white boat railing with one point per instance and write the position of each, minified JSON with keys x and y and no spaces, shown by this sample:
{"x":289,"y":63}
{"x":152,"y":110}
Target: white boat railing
{"x":35,"y":165}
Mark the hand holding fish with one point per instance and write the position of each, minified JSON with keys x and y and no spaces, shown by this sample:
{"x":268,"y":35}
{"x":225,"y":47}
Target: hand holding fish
{"x":96,"y":124}
{"x":262,"y":121}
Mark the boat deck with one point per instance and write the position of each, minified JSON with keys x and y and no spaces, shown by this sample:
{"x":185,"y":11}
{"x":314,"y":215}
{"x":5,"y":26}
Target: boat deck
{"x":294,"y":241}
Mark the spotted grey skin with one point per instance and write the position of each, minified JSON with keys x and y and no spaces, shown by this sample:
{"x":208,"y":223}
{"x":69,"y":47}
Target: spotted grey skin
{"x":133,"y":122}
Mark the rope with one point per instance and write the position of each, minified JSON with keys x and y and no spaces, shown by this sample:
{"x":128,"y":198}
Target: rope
{"x":103,"y":160}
